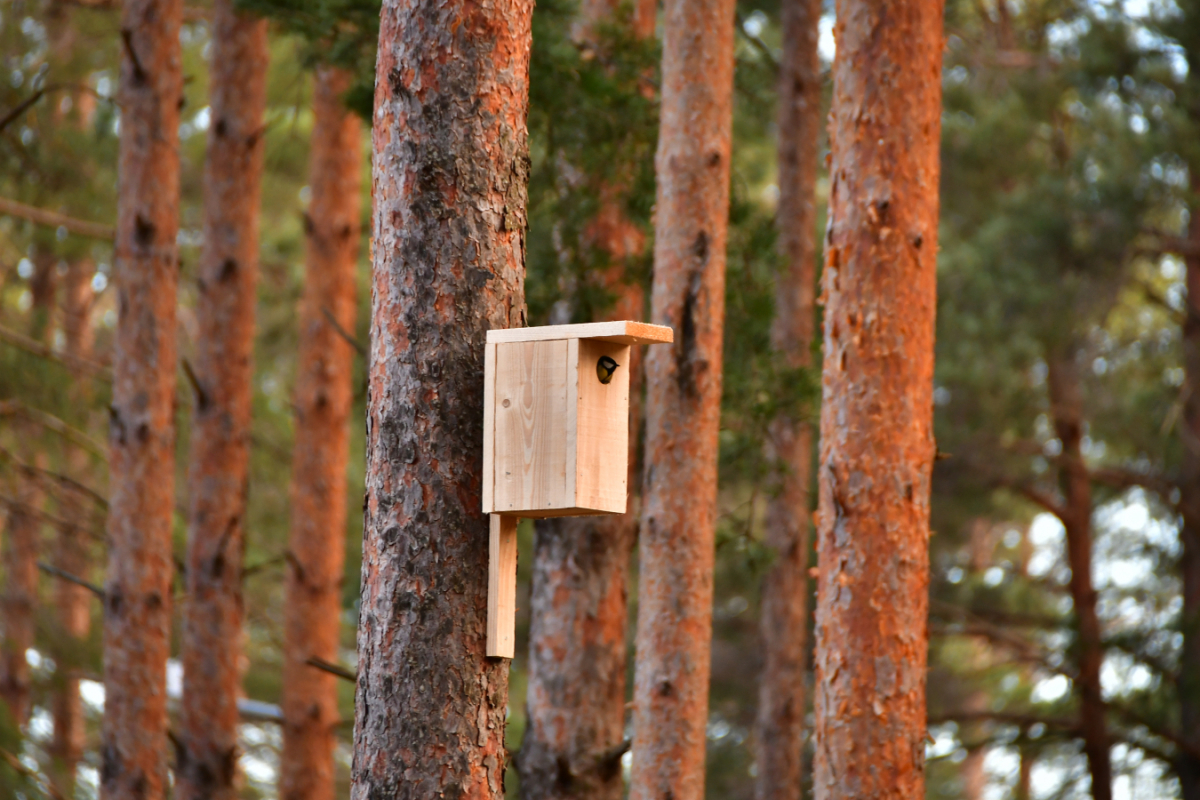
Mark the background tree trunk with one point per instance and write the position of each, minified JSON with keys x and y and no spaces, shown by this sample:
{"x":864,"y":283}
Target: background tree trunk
{"x":783,"y":623}
{"x":72,"y":551}
{"x":323,"y":399}
{"x":683,"y":402}
{"x":1066,"y":406}
{"x":137,"y":609}
{"x":451,"y":179}
{"x":877,"y":444}
{"x":220,"y":440}
{"x":575,"y":696}
{"x":20,"y":595}
{"x":1188,"y":766}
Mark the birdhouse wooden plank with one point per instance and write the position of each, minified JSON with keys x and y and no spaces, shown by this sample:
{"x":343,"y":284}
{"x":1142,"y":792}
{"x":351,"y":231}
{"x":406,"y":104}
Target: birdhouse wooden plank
{"x":555,"y":437}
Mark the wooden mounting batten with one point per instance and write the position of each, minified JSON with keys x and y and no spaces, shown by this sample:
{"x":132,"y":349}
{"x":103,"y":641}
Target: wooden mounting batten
{"x":555,"y":439}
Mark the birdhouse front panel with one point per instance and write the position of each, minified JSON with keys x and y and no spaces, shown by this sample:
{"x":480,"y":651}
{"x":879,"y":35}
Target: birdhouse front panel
{"x":556,"y":418}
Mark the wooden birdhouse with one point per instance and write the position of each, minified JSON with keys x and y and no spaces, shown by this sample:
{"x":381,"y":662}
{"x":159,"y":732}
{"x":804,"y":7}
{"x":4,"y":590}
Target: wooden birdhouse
{"x":555,"y":436}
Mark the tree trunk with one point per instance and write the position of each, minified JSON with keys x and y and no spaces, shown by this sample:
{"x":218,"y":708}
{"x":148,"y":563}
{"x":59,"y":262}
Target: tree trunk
{"x":323,"y":399}
{"x":575,"y":698}
{"x":72,"y":549}
{"x":877,"y":444}
{"x":1188,"y":766}
{"x":451,"y":179}
{"x":779,"y":733}
{"x":218,"y":474}
{"x":20,"y":596}
{"x":1066,"y":406}
{"x":137,"y":610}
{"x":683,"y":403}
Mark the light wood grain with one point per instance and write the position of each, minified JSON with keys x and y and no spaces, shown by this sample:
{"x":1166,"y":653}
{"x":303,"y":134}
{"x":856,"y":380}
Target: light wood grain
{"x":625,"y":332}
{"x":572,"y":421}
{"x":531,"y":426}
{"x":602,"y":430}
{"x":489,"y":428}
{"x":502,"y":586}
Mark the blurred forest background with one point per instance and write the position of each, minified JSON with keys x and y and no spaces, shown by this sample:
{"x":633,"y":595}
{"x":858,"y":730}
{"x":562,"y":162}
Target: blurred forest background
{"x":1071,"y":137}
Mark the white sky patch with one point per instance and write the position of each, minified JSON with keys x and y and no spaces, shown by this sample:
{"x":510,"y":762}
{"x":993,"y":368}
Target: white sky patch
{"x":1050,"y":690}
{"x":92,"y":693}
{"x":1047,"y":536}
{"x":826,"y":45}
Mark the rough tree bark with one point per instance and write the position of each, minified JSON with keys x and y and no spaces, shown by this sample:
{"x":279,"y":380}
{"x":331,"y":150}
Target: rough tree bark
{"x":1188,"y":766}
{"x":451,"y":170}
{"x":674,"y":629}
{"x":1066,"y":407}
{"x":72,"y":554}
{"x":779,"y":734}
{"x":877,"y":444}
{"x":322,"y":402}
{"x":137,"y":609}
{"x":218,"y":473}
{"x":575,"y":696}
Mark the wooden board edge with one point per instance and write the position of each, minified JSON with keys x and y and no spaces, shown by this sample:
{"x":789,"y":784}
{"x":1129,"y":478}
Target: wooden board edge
{"x":621,"y":332}
{"x":488,"y":478}
{"x":502,"y":586}
{"x":572,"y":455}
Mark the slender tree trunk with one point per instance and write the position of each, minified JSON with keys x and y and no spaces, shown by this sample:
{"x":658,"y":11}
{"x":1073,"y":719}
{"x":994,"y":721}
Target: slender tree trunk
{"x":1066,"y":406}
{"x":137,"y":609}
{"x":20,"y":592}
{"x":451,"y":172}
{"x":72,"y":549}
{"x":218,"y":474}
{"x":20,"y":597}
{"x":323,"y":399}
{"x":1188,"y":766}
{"x":683,"y":402}
{"x":575,"y":697}
{"x":877,"y":443}
{"x":779,"y":734}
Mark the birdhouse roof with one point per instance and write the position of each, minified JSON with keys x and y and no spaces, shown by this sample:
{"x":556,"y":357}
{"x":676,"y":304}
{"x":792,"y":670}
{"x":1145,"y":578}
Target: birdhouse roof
{"x":624,"y":332}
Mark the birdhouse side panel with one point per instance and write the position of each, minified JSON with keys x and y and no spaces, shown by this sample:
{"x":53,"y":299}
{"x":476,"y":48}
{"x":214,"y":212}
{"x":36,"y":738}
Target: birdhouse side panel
{"x":531,"y":422}
{"x":602,"y":429}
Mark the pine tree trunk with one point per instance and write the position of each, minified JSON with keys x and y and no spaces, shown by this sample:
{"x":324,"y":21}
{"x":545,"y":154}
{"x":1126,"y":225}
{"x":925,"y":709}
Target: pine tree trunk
{"x":451,"y":179}
{"x":1066,"y":407}
{"x":323,"y":399}
{"x":137,"y":609}
{"x":218,"y":472}
{"x":1188,"y":766}
{"x":72,"y":554}
{"x":784,"y":618}
{"x":877,"y":447}
{"x":20,"y":596}
{"x":683,"y":403}
{"x":575,"y":696}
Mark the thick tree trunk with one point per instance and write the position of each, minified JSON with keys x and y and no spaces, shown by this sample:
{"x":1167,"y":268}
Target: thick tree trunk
{"x":1066,"y":407}
{"x":683,"y":402}
{"x":1188,"y":766}
{"x":20,"y":596}
{"x":451,"y":171}
{"x":137,"y":609}
{"x":877,"y":443}
{"x":323,"y":399}
{"x":72,"y":555}
{"x":779,"y":734}
{"x":218,"y":473}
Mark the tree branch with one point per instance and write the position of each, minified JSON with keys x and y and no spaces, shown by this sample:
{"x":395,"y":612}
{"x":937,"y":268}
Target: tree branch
{"x":333,"y":669}
{"x":9,"y":408}
{"x":333,"y":323}
{"x":50,"y":569}
{"x":73,"y":362}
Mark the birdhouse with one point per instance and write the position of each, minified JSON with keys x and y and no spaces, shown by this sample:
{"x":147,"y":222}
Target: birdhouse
{"x":555,"y":436}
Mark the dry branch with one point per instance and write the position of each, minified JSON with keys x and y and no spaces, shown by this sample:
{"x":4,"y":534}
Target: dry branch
{"x":52,"y":219}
